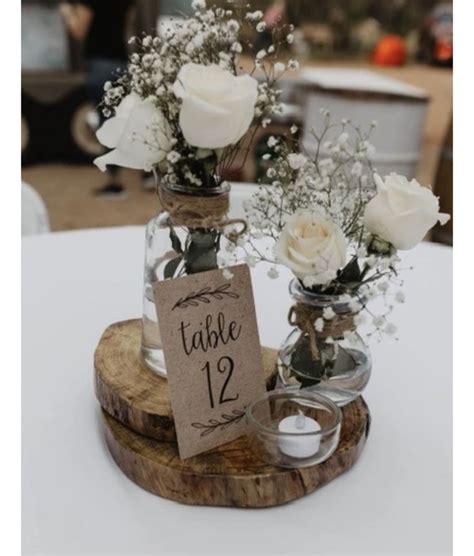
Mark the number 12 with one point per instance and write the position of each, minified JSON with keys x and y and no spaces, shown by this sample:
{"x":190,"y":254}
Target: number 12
{"x":224,"y":365}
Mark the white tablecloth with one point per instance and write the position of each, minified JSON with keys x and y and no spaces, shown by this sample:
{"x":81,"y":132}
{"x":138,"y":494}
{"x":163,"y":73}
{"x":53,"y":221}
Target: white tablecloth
{"x":396,"y":500}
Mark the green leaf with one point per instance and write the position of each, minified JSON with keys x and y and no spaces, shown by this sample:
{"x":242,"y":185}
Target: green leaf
{"x":304,"y":364}
{"x":171,"y":267}
{"x":306,"y":382}
{"x":350,"y":273}
{"x":201,"y":251}
{"x":175,"y":243}
{"x":379,"y":246}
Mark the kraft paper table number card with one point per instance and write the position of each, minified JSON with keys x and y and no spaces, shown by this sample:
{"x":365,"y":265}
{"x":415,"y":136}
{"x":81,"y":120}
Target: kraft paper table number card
{"x":212,"y":351}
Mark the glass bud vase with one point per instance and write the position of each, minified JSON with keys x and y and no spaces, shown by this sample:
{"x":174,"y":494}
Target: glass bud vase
{"x":167,"y":238}
{"x":324,"y":359}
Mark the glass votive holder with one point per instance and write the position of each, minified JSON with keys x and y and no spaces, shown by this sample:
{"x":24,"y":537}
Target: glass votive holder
{"x":293,"y":428}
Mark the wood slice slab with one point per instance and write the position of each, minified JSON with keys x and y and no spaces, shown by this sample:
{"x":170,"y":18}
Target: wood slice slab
{"x":132,"y":393}
{"x":230,"y":475}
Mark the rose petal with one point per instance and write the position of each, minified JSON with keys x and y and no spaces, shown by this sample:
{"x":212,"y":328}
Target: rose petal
{"x":443,"y":218}
{"x":218,"y":107}
{"x":144,"y":139}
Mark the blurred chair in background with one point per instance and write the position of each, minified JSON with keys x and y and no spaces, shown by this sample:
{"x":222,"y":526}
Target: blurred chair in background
{"x":34,"y":215}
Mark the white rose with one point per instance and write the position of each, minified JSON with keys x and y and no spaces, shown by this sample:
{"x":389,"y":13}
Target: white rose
{"x":402,"y":212}
{"x":218,"y":107}
{"x":138,"y":134}
{"x":311,"y":246}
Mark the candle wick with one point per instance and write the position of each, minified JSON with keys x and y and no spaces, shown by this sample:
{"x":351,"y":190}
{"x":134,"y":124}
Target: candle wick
{"x":300,"y":420}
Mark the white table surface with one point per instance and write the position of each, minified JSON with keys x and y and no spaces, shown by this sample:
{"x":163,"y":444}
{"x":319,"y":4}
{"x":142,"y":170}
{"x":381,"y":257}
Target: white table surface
{"x":395,"y":500}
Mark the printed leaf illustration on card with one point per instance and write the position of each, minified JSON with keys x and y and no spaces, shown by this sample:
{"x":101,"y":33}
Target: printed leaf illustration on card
{"x":212,"y":352}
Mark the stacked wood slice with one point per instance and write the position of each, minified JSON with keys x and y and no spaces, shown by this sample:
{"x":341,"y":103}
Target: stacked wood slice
{"x":140,"y":434}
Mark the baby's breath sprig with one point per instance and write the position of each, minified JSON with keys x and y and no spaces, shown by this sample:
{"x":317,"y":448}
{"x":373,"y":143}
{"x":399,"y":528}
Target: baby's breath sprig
{"x":335,"y":183}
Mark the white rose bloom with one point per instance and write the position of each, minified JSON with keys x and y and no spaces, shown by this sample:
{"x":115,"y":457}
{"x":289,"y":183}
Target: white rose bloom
{"x":311,"y":246}
{"x":402,"y":212}
{"x":138,"y":134}
{"x":218,"y":107}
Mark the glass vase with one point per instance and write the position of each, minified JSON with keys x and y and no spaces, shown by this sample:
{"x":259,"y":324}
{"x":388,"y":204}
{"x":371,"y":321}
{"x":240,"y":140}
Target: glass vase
{"x":165,"y":243}
{"x":334,"y":364}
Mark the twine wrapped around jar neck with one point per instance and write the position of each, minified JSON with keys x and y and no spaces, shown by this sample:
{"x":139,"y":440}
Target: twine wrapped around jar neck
{"x":200,"y":211}
{"x":304,"y":317}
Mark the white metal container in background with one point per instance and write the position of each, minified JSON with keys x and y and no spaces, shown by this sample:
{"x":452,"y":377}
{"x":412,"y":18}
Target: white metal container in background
{"x":363,"y":96}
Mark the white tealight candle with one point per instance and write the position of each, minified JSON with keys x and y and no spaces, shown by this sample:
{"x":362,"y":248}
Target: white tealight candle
{"x":299,"y":446}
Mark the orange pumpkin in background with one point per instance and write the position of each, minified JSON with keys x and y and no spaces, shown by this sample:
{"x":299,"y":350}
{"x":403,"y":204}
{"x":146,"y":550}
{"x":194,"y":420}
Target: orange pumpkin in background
{"x":443,"y":51}
{"x":390,"y":51}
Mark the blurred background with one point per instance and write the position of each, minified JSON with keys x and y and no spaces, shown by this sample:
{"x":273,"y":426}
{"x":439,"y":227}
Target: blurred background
{"x":384,"y":60}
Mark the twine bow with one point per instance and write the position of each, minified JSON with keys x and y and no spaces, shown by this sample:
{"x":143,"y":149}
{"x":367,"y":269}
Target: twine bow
{"x":304,"y":317}
{"x":195,"y":211}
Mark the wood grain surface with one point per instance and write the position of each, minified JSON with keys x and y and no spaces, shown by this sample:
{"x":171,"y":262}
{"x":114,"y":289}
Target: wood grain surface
{"x":132,"y":393}
{"x":230,"y":475}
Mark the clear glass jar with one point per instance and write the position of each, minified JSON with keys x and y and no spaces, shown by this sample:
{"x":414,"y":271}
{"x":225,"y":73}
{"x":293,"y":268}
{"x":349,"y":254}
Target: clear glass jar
{"x":275,"y":437}
{"x":162,"y":260}
{"x":343,"y":367}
